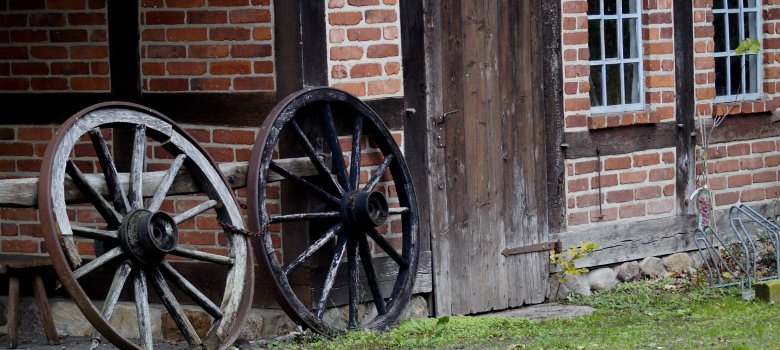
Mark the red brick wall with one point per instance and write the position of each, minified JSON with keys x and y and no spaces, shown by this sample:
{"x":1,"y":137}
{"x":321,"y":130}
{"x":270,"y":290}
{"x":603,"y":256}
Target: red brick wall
{"x":53,"y":45}
{"x":207,"y":45}
{"x":364,"y":47}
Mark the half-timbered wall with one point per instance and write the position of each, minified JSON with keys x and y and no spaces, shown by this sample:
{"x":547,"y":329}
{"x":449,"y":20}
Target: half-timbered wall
{"x":628,"y":166}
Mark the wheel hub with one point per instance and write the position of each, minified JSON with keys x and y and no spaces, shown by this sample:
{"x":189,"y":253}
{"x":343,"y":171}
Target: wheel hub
{"x":364,"y":209}
{"x":148,"y":236}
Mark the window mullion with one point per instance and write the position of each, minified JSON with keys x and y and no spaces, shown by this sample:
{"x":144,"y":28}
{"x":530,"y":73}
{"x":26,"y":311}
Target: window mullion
{"x":620,"y":53}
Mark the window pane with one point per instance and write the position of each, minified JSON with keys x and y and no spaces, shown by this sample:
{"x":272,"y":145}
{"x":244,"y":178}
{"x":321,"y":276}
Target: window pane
{"x":720,"y":76}
{"x":717,"y":4}
{"x":749,"y":3}
{"x":613,"y":84}
{"x":750,"y":25}
{"x":751,"y":68}
{"x":720,"y":32}
{"x":629,"y":6}
{"x":630,"y":40}
{"x":610,"y":7}
{"x":733,"y":31}
{"x":594,"y":39}
{"x":610,"y":38}
{"x":631,"y":75}
{"x":593,"y":7}
{"x":736,"y":74}
{"x":595,"y":87}
{"x":733,"y":4}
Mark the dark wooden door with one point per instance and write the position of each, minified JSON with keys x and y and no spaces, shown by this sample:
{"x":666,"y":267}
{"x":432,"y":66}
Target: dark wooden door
{"x":488,"y":179}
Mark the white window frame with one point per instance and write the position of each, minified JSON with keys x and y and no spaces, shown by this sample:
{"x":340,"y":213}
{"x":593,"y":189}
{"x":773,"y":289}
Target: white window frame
{"x":729,"y":52}
{"x":602,"y":63}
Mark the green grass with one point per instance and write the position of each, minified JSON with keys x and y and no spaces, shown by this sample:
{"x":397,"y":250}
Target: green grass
{"x":664,"y":314}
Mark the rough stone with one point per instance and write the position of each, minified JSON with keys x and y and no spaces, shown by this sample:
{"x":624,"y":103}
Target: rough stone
{"x":602,"y":279}
{"x":125,"y":320}
{"x":679,"y":262}
{"x":652,"y":267}
{"x":629,"y":271}
{"x":547,"y":311}
{"x":572,"y":285}
{"x":68,"y":319}
{"x":696,"y":260}
{"x":768,"y":291}
{"x":282,"y":325}
{"x":200,"y":320}
{"x":252,"y":328}
{"x":417,"y":307}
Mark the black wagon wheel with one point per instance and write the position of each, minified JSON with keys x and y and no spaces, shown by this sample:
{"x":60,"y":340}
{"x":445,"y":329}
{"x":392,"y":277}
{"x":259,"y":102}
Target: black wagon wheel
{"x":101,"y":224}
{"x":359,"y":210}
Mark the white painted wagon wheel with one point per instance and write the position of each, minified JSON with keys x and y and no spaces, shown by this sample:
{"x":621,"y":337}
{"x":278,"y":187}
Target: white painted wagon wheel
{"x":348,"y":215}
{"x":133,"y":239}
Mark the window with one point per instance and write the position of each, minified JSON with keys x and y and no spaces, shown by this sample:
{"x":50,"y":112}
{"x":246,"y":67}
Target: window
{"x":736,"y":75}
{"x":614,"y":40}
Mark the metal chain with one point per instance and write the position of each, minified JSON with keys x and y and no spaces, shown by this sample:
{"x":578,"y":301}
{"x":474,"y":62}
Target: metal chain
{"x":239,"y":231}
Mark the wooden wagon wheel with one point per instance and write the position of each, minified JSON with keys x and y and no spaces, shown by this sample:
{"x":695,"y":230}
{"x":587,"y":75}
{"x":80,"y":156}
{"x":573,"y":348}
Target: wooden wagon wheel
{"x":135,"y":237}
{"x":348,"y":216}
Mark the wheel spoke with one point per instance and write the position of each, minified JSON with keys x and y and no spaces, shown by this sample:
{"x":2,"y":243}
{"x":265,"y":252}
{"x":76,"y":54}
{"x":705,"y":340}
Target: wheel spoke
{"x":98,"y":262}
{"x":401,"y":210}
{"x":337,"y":157}
{"x":368,"y":267}
{"x":120,"y":277}
{"x":305,"y":216}
{"x":88,"y":232}
{"x":142,"y":310}
{"x":353,"y":283}
{"x":112,"y":217}
{"x":341,"y":246}
{"x":354,"y":161}
{"x":196,"y":295}
{"x":137,"y":168}
{"x":308,"y":185}
{"x":380,"y":171}
{"x":165,"y":183}
{"x":315,"y":159}
{"x":319,"y":243}
{"x":174,"y":309}
{"x":109,"y":170}
{"x":202,"y":256}
{"x":387,"y":247}
{"x":194,"y":211}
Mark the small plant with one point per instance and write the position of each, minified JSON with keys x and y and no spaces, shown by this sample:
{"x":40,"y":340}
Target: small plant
{"x":566,"y":260}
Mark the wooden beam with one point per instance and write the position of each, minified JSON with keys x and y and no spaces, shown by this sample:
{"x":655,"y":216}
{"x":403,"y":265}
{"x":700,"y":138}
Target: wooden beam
{"x":685,"y":104}
{"x":553,"y":106}
{"x":744,"y":128}
{"x":24,"y":192}
{"x":232,"y":109}
{"x":620,"y":140}
{"x":124,"y":49}
{"x":300,"y":45}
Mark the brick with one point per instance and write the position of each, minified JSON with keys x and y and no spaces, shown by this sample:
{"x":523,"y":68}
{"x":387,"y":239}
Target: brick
{"x":603,"y":214}
{"x":69,"y":68}
{"x":620,"y":196}
{"x":14,"y":84}
{"x":29,"y":36}
{"x":230,"y":67}
{"x":66,"y":4}
{"x":186,"y":34}
{"x":586,"y":166}
{"x":86,"y":19}
{"x":381,"y":16}
{"x":752,"y":195}
{"x":577,"y":219}
{"x":738,"y":149}
{"x":207,"y":17}
{"x":588,"y":200}
{"x":763,"y":146}
{"x":207,"y":51}
{"x":339,"y":72}
{"x":250,"y":50}
{"x":726,"y":198}
{"x":604,"y":181}
{"x":661,"y":174}
{"x":16,"y":149}
{"x":739,"y":180}
{"x":184,"y":3}
{"x":261,"y":33}
{"x":392,"y":68}
{"x":264,"y":67}
{"x":20,"y":246}
{"x":384,"y":87}
{"x":751,"y":163}
{"x":345,"y":18}
{"x":233,"y":136}
{"x":229,"y":34}
{"x":633,"y":177}
{"x":250,"y":16}
{"x":345,"y":53}
{"x":253,"y":83}
{"x":19,"y":214}
{"x":44,"y":20}
{"x":166,"y":84}
{"x":165,"y":51}
{"x":357,"y":89}
{"x":217,"y":3}
{"x":49,"y":52}
{"x":88,"y":52}
{"x":365,"y":70}
{"x":334,"y":4}
{"x":17,"y":5}
{"x":577,"y":185}
{"x":164,"y":17}
{"x":382,"y":50}
{"x":29,"y":68}
{"x":390,"y":33}
{"x":727,"y":165}
{"x":660,"y":206}
{"x":632,"y":210}
{"x":364,"y":34}
{"x":186,"y":68}
{"x":89,"y":83}
{"x":363,"y":2}
{"x":99,"y":68}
